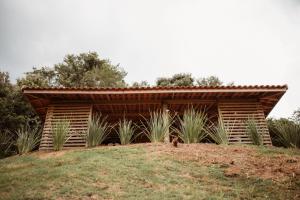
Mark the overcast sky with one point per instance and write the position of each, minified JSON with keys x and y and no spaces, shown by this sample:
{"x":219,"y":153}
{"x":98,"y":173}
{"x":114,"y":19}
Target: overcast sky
{"x":248,"y":42}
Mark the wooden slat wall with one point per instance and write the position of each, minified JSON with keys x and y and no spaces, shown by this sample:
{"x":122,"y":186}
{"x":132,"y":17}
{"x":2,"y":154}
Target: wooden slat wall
{"x":234,"y":116}
{"x":78,"y":116}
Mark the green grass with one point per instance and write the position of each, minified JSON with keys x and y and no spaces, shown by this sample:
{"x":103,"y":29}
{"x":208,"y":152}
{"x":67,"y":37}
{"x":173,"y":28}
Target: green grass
{"x":125,"y":172}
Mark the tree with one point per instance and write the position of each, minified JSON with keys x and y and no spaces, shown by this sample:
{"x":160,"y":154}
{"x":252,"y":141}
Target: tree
{"x":141,"y":84}
{"x":14,"y":111}
{"x":182,"y":79}
{"x":87,"y":69}
{"x":209,"y":81}
{"x":44,"y":77}
{"x":83,"y":70}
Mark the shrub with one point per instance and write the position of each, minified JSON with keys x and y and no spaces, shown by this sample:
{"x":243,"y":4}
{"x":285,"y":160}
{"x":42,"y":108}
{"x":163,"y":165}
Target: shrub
{"x":60,"y":131}
{"x":253,"y":132}
{"x":158,"y":126}
{"x":192,"y":126}
{"x":97,"y":131}
{"x":6,"y":142}
{"x":220,"y":133}
{"x":287,"y":133}
{"x":126,"y":131}
{"x":27,"y":139}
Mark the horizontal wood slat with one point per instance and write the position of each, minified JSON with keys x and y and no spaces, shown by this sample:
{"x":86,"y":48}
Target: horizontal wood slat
{"x":235,"y":115}
{"x":78,"y":115}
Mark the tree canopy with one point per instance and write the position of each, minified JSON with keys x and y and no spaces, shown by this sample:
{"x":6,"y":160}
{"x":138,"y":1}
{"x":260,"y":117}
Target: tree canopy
{"x":186,"y":79}
{"x":85,"y":69}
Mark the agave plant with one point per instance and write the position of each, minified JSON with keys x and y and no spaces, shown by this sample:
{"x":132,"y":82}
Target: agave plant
{"x":157,"y":128}
{"x":287,"y":132}
{"x":253,"y":132}
{"x":220,"y":133}
{"x":6,"y":141}
{"x":60,"y":131}
{"x":27,"y":139}
{"x":192,"y":126}
{"x":97,"y":131}
{"x":126,"y":131}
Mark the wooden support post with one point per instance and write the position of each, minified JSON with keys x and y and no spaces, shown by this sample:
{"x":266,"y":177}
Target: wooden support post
{"x":166,"y":111}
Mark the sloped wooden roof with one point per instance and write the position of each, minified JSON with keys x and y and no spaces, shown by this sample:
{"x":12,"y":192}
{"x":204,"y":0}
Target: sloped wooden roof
{"x":132,"y":98}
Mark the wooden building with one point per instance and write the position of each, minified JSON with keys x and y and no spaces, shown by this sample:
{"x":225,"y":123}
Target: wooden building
{"x":234,"y":104}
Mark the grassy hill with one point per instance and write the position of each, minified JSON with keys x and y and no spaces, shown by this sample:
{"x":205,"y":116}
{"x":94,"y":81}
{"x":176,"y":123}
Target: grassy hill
{"x":154,"y":171}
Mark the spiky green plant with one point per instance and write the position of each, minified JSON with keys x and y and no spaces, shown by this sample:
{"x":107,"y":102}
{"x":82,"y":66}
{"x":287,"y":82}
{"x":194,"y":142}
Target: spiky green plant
{"x":126,"y":131}
{"x":27,"y":139}
{"x":220,"y":133}
{"x":253,"y":132}
{"x":287,"y":132}
{"x":97,"y":131}
{"x":6,"y":142}
{"x":157,"y":128}
{"x":192,"y":126}
{"x":60,"y":131}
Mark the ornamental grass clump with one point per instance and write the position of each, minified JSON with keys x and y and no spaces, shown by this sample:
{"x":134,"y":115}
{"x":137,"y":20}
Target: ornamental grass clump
{"x":220,"y":133}
{"x":192,"y":126}
{"x":287,"y":133}
{"x":97,"y":131}
{"x":27,"y":139}
{"x":157,"y":128}
{"x":60,"y":131}
{"x":6,"y":142}
{"x":126,"y":131}
{"x":253,"y":132}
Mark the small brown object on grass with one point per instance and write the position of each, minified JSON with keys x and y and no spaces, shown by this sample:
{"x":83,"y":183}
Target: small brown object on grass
{"x":175,"y":141}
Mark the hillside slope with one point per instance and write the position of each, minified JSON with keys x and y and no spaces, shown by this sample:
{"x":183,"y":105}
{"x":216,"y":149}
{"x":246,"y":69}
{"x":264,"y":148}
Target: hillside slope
{"x":154,"y":171}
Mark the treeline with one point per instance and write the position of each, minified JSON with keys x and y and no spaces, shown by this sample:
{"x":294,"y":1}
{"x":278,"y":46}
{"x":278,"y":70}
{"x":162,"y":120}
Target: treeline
{"x":83,"y":70}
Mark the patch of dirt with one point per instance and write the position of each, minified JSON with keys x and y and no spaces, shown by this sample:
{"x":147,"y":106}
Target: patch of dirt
{"x":50,"y":154}
{"x":235,"y":160}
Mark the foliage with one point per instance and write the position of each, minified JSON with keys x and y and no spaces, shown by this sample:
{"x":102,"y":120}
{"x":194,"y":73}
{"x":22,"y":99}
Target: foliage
{"x":186,"y":79}
{"x":220,"y":133}
{"x":285,"y":132}
{"x":97,"y":131}
{"x":209,"y":81}
{"x":296,"y":116}
{"x":253,"y":132}
{"x":157,"y":128}
{"x":85,"y":69}
{"x":60,"y":131}
{"x":183,"y":79}
{"x":125,"y":131}
{"x":15,"y":112}
{"x":27,"y":139}
{"x":192,"y":126}
{"x":141,"y":84}
{"x":43,"y":77}
{"x":6,"y":142}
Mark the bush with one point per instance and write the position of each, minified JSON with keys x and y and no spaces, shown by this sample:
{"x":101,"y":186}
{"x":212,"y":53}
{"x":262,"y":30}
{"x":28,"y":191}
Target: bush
{"x":285,"y":133}
{"x":97,"y":131}
{"x":6,"y":142}
{"x":157,"y":128}
{"x":253,"y":132}
{"x":192,"y":126}
{"x":27,"y":139}
{"x":60,"y":131}
{"x":126,"y":131}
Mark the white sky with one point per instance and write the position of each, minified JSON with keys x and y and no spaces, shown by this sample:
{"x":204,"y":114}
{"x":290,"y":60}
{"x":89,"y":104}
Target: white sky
{"x":248,"y":42}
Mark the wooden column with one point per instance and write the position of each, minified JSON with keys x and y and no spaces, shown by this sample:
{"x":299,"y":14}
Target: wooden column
{"x":166,"y":110}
